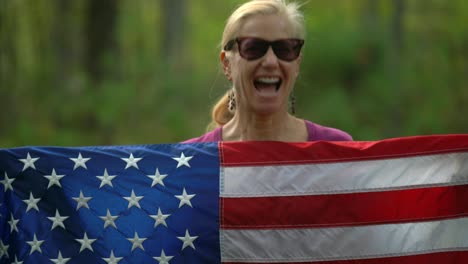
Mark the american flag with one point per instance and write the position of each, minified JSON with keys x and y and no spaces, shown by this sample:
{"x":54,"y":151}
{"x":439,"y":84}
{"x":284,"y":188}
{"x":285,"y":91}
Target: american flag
{"x":402,"y":200}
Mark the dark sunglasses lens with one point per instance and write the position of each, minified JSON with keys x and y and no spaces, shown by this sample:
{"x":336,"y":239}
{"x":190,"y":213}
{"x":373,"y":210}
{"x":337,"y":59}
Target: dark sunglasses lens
{"x":252,"y":49}
{"x":287,"y":49}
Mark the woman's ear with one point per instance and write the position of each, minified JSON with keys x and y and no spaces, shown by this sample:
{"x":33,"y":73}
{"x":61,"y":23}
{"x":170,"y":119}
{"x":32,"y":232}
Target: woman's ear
{"x":226,"y":66}
{"x":298,"y":66}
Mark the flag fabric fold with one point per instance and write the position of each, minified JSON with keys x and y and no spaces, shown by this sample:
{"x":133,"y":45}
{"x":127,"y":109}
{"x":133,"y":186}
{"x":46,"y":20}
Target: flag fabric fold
{"x":402,"y":200}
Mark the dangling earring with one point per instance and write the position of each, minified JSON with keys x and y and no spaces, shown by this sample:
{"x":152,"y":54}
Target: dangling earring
{"x":232,"y":101}
{"x":292,"y":103}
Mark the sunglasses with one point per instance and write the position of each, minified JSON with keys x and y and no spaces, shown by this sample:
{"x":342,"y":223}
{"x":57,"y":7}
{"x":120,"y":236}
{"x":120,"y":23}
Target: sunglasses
{"x":254,"y":48}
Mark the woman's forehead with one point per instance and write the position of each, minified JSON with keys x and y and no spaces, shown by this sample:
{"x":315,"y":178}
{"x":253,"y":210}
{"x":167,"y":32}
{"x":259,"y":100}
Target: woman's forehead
{"x":272,"y":26}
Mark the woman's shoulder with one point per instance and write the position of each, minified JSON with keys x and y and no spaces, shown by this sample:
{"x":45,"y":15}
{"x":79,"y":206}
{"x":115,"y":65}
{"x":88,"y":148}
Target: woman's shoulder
{"x":212,"y":136}
{"x":319,"y":132}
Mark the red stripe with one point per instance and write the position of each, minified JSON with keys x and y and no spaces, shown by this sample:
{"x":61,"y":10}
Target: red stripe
{"x":266,"y":152}
{"x":454,"y":257}
{"x":344,"y":209}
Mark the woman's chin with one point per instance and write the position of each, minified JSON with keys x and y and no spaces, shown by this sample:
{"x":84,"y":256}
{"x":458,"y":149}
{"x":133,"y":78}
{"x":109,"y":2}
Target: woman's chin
{"x":267,"y":109}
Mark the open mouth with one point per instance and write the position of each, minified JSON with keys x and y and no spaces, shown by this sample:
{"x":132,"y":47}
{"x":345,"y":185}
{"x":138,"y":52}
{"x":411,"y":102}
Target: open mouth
{"x":267,"y":85}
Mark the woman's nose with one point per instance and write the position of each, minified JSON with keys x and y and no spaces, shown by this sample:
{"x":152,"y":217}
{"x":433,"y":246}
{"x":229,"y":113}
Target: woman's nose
{"x":270,"y":58}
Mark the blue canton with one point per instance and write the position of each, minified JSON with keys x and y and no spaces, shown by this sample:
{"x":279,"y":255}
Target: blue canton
{"x":117,"y":204}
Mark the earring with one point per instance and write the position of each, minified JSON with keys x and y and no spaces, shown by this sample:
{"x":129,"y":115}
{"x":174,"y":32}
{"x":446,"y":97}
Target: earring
{"x":232,"y":101}
{"x":292,"y":103}
{"x":228,"y":76}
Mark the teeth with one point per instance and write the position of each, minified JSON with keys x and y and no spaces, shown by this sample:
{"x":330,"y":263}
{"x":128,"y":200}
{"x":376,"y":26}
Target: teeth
{"x":269,"y":80}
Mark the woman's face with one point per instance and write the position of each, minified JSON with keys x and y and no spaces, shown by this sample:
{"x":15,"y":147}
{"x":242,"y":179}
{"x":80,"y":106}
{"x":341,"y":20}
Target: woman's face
{"x":262,"y":85}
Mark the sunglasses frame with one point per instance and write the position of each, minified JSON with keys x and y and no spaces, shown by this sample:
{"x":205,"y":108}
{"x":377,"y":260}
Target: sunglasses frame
{"x":273,"y":44}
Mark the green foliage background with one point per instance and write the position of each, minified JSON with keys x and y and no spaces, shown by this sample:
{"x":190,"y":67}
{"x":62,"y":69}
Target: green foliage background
{"x":368,"y":68}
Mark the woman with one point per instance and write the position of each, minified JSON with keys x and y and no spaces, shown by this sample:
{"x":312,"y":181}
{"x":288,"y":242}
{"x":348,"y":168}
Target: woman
{"x":261,"y":56}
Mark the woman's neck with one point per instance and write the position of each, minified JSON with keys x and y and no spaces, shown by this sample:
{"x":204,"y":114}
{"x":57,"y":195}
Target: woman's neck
{"x":277,"y":127}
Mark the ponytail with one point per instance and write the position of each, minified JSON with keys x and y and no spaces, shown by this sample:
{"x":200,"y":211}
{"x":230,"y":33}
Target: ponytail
{"x":220,"y":114}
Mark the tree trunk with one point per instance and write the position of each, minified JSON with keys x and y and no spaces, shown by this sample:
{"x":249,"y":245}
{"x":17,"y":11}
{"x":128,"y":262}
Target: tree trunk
{"x":100,"y":35}
{"x":397,"y":41}
{"x":61,"y":44}
{"x":8,"y":69}
{"x":370,"y":16}
{"x":173,"y":17}
{"x":397,"y":25}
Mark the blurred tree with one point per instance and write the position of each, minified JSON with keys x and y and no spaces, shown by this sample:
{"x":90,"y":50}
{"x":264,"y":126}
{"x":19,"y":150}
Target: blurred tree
{"x":395,"y":125}
{"x":173,"y":24}
{"x":398,"y":24}
{"x":61,"y":42}
{"x":100,"y":38}
{"x":371,"y":14}
{"x":145,"y":71}
{"x":7,"y":75}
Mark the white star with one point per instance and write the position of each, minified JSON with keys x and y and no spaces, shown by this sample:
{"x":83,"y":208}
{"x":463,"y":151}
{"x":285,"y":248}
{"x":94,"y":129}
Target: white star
{"x":163,"y":259}
{"x":112,"y":259}
{"x":183,"y":161}
{"x":3,"y":249}
{"x":35,"y":245}
{"x":29,"y":162}
{"x":185,"y":198}
{"x":106,"y":179}
{"x":137,"y":242}
{"x":80,"y":161}
{"x":160,"y":218}
{"x":7,"y":182}
{"x":86,"y":243}
{"x":82,"y":201}
{"x":109,"y":220}
{"x":133,"y":200}
{"x":60,"y":259}
{"x":57,"y":220}
{"x":157,"y":178}
{"x":32,"y":202}
{"x":54,"y":179}
{"x":16,"y":261}
{"x":188,"y":240}
{"x":131,"y":161}
{"x":13,"y":222}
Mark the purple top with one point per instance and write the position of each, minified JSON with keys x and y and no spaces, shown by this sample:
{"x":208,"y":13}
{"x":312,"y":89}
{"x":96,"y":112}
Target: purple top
{"x":316,"y":133}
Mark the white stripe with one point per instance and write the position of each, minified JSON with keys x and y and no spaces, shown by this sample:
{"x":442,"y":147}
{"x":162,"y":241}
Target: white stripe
{"x":345,"y":177}
{"x":359,"y":242}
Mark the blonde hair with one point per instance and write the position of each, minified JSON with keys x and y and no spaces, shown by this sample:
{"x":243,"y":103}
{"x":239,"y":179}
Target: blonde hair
{"x":220,"y":113}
